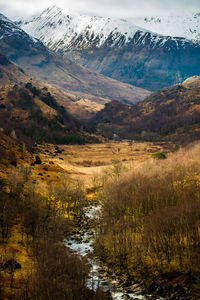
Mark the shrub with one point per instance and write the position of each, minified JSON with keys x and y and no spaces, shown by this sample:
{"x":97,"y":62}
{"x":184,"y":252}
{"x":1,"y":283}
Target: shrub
{"x":158,"y":155}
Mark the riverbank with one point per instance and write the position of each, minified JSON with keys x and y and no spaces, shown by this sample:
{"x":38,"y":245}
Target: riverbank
{"x":82,"y":242}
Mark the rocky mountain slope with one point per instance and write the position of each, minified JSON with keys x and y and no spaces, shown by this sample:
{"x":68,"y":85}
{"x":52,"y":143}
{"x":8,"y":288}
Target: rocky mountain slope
{"x":38,"y":61}
{"x":170,"y":112}
{"x":117,"y":48}
{"x":61,"y":30}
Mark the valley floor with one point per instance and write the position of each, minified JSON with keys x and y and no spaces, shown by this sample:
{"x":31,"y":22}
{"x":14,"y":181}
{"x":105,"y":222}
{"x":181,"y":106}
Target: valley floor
{"x":88,"y":161}
{"x":52,"y":169}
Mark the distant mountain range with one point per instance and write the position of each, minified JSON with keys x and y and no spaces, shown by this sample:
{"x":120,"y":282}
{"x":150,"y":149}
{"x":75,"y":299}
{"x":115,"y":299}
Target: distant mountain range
{"x":121,"y":50}
{"x":185,"y":25}
{"x":40,"y":62}
{"x":36,"y":83}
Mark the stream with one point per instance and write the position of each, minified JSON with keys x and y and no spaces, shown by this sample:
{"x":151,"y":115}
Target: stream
{"x":82,"y":244}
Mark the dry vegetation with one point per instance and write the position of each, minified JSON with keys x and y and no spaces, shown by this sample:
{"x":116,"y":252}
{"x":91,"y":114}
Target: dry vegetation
{"x":34,"y":263}
{"x":150,"y":227}
{"x":40,"y":196}
{"x":87,"y":161}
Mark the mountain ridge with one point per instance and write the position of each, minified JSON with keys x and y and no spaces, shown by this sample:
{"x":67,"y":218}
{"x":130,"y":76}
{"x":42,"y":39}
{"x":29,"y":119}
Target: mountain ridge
{"x":61,"y":31}
{"x":126,"y":53}
{"x":185,"y":25}
{"x":40,"y":62}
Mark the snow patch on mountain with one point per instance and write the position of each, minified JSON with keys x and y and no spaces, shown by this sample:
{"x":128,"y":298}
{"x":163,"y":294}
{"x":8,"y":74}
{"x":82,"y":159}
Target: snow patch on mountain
{"x":184,"y":25}
{"x":57,"y":28}
{"x":9,"y":29}
{"x":66,"y":30}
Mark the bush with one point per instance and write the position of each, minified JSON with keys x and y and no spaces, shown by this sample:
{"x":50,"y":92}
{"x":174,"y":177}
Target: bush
{"x":158,"y":155}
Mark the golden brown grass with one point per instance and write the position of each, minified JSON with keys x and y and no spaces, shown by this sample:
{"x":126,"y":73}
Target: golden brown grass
{"x":86,"y":161}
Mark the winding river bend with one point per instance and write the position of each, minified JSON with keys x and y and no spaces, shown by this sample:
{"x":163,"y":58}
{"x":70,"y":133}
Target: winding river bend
{"x":82,"y":244}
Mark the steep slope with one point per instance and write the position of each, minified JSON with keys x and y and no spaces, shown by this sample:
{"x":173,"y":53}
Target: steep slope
{"x":61,"y":30}
{"x":170,"y":112}
{"x":9,"y":72}
{"x":117,"y":48}
{"x":142,"y":63}
{"x":30,"y":114}
{"x":38,"y":61}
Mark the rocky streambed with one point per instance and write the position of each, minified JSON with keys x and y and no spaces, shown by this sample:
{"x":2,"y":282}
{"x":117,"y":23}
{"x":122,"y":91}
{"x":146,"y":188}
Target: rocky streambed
{"x":81,"y":242}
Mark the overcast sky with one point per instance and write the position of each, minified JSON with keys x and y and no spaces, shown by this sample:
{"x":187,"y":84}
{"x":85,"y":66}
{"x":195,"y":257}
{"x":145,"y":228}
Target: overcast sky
{"x":114,"y":8}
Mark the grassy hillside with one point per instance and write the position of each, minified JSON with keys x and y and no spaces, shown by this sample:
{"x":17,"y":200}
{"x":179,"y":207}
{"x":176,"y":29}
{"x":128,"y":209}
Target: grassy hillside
{"x":80,"y":105}
{"x":173,"y":112}
{"x":30,"y":114}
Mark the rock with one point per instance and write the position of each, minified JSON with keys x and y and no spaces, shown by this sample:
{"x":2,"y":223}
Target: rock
{"x":160,"y":291}
{"x":129,"y":291}
{"x":12,"y":264}
{"x":13,"y":135}
{"x":38,"y":160}
{"x":152,"y":288}
{"x":126,"y":296}
{"x":59,"y":151}
{"x":126,"y":284}
{"x":114,"y":282}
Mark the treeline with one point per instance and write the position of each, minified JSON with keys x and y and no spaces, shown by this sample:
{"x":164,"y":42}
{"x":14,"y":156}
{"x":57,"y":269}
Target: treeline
{"x":43,"y":222}
{"x":150,"y":230}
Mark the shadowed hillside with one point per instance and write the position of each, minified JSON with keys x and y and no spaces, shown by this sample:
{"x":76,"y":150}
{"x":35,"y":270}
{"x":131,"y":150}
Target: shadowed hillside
{"x":30,"y":114}
{"x":170,"y":112}
{"x":39,"y":61}
{"x":9,"y":72}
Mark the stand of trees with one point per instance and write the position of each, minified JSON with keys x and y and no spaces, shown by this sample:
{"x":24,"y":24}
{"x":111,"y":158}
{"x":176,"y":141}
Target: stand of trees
{"x":55,"y":273}
{"x":150,"y":229}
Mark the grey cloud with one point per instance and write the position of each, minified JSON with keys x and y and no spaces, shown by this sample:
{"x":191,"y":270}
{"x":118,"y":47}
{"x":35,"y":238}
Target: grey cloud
{"x":114,"y":8}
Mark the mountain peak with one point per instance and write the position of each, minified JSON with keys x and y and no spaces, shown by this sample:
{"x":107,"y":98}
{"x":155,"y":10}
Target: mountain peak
{"x":4,"y":18}
{"x":64,"y":30}
{"x":192,"y":82}
{"x":58,"y":28}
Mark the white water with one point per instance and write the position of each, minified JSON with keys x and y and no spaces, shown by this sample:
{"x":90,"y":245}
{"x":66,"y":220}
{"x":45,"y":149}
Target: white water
{"x":81,"y":244}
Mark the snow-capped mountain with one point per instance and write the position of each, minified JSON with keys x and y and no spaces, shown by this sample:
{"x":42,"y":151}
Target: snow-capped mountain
{"x":8,"y":29}
{"x":59,"y":29}
{"x":40,"y":62}
{"x":184,"y":25}
{"x":117,"y":48}
{"x":62,"y":31}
